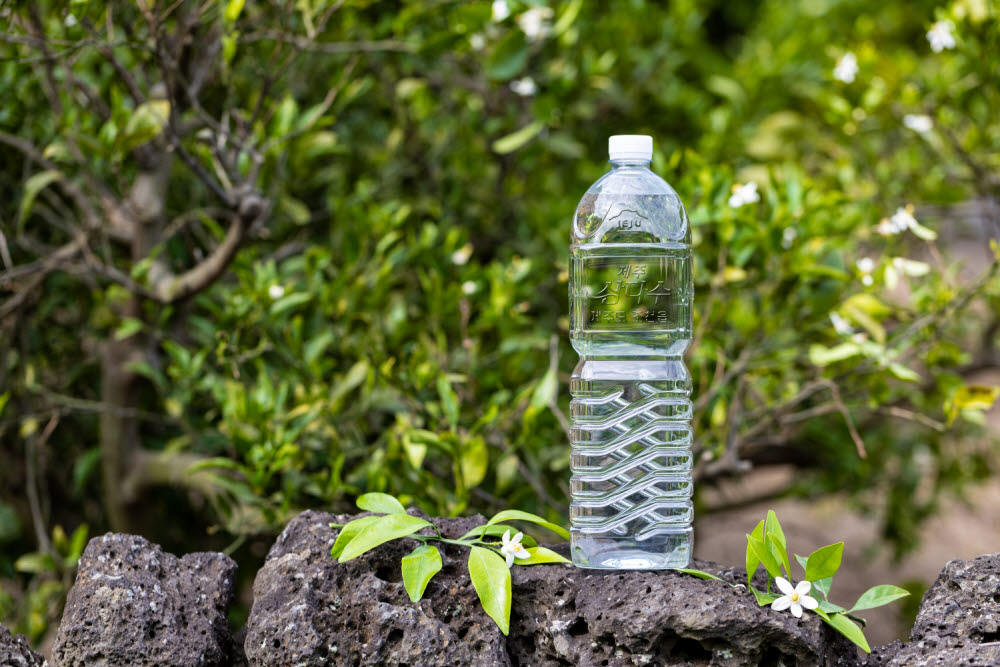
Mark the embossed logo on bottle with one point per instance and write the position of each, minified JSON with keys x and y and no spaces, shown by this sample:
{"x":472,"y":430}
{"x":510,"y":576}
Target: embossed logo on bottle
{"x":627,"y":219}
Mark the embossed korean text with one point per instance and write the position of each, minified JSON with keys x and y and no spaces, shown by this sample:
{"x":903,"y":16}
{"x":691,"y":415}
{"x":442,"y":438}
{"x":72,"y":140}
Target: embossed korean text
{"x":630,"y":321}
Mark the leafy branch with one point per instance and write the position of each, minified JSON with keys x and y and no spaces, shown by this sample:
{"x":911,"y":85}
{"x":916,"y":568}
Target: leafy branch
{"x":767,"y":546}
{"x":489,"y":560}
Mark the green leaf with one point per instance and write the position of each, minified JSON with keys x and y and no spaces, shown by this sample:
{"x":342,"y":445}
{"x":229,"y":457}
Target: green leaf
{"x":289,"y":302}
{"x":776,"y":536}
{"x":36,"y":563}
{"x":830,"y":607}
{"x":35,"y":184}
{"x":824,"y":562}
{"x":765,"y":556}
{"x":418,"y":567}
{"x":449,"y":400}
{"x":349,"y":532}
{"x":518,"y":515}
{"x":545,"y":390}
{"x":540,"y":555}
{"x":763,"y":598}
{"x":904,"y":373}
{"x":491,"y":579}
{"x":824,"y":356}
{"x":233,"y":9}
{"x":509,"y":57}
{"x":848,"y":628}
{"x":971,"y":397}
{"x":515,"y":140}
{"x":145,"y":123}
{"x":876,"y":596}
{"x":752,"y":561}
{"x":823,"y":585}
{"x":354,"y":377}
{"x":382,"y":503}
{"x":129,"y":327}
{"x":380,"y":531}
{"x":698,"y":573}
{"x":474,"y":462}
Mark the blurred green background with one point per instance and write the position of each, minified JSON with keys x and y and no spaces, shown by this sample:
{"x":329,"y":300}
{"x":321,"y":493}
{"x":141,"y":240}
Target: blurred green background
{"x":263,"y":257}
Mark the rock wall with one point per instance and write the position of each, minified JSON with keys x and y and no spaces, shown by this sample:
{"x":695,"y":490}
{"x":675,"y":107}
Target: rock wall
{"x":133,"y":604}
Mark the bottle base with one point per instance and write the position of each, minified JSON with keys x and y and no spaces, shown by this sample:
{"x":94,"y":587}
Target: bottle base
{"x":624,"y":553}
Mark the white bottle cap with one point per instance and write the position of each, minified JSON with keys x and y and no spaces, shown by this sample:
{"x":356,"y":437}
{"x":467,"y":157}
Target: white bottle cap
{"x":630,"y":146}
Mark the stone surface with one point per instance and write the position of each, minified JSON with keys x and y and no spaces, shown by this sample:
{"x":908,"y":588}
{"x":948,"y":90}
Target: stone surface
{"x":133,"y":604}
{"x":309,"y":610}
{"x":15,"y":652}
{"x":959,"y":618}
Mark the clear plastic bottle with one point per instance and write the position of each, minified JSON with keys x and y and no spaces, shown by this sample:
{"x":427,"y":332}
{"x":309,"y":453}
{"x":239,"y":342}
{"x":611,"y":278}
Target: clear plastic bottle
{"x":630,"y":292}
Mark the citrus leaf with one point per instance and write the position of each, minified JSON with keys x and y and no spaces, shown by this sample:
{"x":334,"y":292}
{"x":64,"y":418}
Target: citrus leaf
{"x":32,"y":187}
{"x":349,"y":532}
{"x":848,"y":628}
{"x":518,"y":515}
{"x":752,"y":561}
{"x":698,"y":573}
{"x":763,"y":598}
{"x":418,"y":567}
{"x":380,"y":531}
{"x":382,"y":503}
{"x":449,"y":400}
{"x":540,"y":555}
{"x":515,"y":140}
{"x":876,"y":596}
{"x":491,"y":579}
{"x":764,"y":555}
{"x":824,"y":562}
{"x":776,"y":536}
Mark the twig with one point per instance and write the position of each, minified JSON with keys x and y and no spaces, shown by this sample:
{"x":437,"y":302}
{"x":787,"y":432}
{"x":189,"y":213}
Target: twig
{"x":31,"y":446}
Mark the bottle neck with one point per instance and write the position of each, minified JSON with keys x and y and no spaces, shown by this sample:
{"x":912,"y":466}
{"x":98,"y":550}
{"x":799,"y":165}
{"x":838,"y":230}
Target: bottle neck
{"x":629,"y":163}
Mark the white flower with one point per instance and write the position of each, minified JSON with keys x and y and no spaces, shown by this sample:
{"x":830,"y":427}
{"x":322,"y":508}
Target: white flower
{"x":941,"y":37}
{"x":477,"y":41}
{"x":744,"y":194}
{"x":794,"y":598}
{"x":512,"y":548}
{"x":900,"y":221}
{"x":534,"y":22}
{"x":524,"y":87}
{"x":788,"y":237}
{"x":840,"y":325}
{"x":462,"y":255}
{"x":469,"y":288}
{"x":867,"y":280}
{"x":865,"y":264}
{"x":918,"y":122}
{"x":846,"y":68}
{"x":276,"y":291}
{"x":500,"y":10}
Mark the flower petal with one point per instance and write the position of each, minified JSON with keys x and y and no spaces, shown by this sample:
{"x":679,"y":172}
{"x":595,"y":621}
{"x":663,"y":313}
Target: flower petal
{"x":506,"y":537}
{"x":518,"y":538}
{"x":803,"y":587}
{"x":782,"y":603}
{"x":796,"y":610}
{"x":784,"y":586}
{"x":808,"y":602}
{"x":510,"y":560}
{"x":522,"y":553}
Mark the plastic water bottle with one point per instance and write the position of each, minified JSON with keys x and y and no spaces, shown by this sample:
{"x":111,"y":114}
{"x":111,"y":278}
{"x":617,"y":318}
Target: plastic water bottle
{"x":630,"y":292}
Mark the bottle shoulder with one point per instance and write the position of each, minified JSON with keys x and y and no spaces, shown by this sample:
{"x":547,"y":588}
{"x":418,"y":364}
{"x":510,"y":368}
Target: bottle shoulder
{"x":630,"y":206}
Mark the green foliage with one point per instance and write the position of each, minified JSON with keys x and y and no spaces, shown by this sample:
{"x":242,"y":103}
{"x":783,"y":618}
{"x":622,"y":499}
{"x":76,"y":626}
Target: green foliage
{"x":767,"y":545}
{"x":488,"y":571}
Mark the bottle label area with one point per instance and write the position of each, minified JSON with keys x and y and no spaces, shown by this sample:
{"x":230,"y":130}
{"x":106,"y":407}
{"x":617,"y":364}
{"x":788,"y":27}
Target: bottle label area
{"x":618,"y":287}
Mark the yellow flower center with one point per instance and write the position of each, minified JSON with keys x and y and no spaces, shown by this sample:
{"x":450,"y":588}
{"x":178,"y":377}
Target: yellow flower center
{"x":795,"y":597}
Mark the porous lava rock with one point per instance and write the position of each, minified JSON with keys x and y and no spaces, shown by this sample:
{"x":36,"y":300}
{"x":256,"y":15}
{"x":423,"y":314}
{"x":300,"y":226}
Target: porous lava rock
{"x":309,"y":611}
{"x":15,"y":652}
{"x":134,"y":604}
{"x":959,"y":618}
